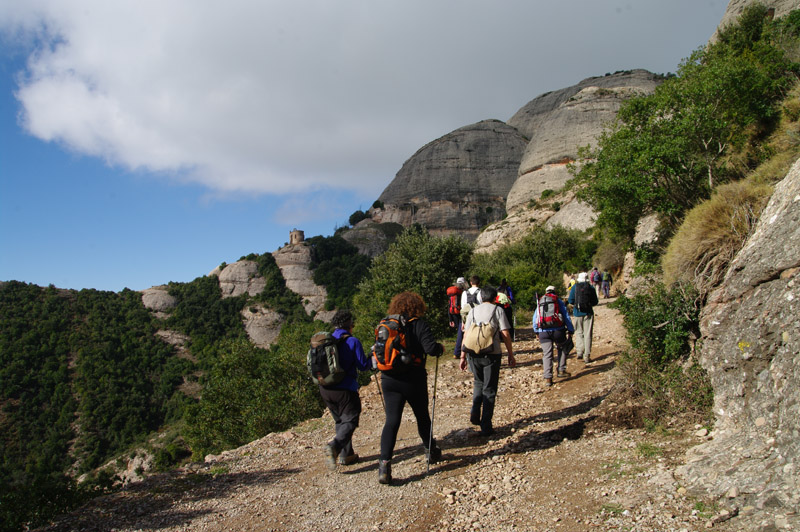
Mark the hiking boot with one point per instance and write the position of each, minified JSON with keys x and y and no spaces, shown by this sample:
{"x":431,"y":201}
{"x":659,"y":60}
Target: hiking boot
{"x":564,"y":374}
{"x":348,"y":460}
{"x":548,"y":382}
{"x":385,"y":471}
{"x":331,"y":452}
{"x":487,"y":432}
{"x":586,"y":360}
{"x":433,"y":455}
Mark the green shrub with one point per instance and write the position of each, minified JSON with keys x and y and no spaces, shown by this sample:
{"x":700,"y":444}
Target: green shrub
{"x":647,"y":260}
{"x":658,"y":367}
{"x":357,"y":217}
{"x":539,"y":259}
{"x":416,"y":262}
{"x":339,"y":267}
{"x":250,"y":392}
{"x":610,"y":255}
{"x":546,"y":193}
{"x":661,"y":322}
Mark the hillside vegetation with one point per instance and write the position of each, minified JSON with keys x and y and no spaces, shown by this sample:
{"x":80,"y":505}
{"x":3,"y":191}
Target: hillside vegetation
{"x":84,"y":379}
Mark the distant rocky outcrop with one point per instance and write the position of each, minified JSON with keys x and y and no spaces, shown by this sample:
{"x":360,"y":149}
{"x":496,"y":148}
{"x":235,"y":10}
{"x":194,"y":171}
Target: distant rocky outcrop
{"x":558,"y":123}
{"x":751,"y":350}
{"x":294,"y":261}
{"x":458,"y":183}
{"x":262,"y":324}
{"x":372,"y":238}
{"x":735,"y":8}
{"x":239,"y":278}
{"x":158,"y":300}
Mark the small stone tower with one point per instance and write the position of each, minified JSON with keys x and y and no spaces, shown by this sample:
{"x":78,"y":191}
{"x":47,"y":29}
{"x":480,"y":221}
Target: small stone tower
{"x":296,"y":236}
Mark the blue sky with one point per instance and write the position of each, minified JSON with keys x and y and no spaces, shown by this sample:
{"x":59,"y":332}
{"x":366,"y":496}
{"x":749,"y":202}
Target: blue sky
{"x":143,"y":142}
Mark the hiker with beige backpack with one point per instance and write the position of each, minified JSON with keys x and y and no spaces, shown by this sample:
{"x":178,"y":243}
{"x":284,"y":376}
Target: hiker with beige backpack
{"x":484,"y":328}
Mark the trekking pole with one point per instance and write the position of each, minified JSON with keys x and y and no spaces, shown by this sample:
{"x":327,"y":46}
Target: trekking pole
{"x":378,"y":384}
{"x":433,"y":414}
{"x":514,"y":320}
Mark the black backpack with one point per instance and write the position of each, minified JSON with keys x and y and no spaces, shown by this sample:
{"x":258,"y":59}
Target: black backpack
{"x":583,"y":300}
{"x":322,"y":359}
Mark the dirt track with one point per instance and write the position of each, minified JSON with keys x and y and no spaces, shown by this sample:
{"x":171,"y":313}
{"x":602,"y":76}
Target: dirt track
{"x":555,"y":463}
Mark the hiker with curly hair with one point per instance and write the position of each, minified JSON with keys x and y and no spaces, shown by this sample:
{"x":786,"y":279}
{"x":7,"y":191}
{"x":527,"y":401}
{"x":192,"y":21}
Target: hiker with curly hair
{"x":408,"y":384}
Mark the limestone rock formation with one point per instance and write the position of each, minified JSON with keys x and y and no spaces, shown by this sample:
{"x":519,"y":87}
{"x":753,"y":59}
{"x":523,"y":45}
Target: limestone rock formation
{"x":561,"y":209}
{"x":559,"y":122}
{"x":293,"y":261}
{"x":263,"y":325}
{"x":372,"y":238}
{"x":457,"y":183}
{"x":241,"y":277}
{"x":158,"y":299}
{"x":751,"y":350}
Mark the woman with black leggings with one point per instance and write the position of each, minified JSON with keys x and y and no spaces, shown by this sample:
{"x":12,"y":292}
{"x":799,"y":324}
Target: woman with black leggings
{"x":409,"y":385}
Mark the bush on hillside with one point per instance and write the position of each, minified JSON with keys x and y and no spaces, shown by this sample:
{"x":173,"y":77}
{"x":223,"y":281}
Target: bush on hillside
{"x":416,"y":262}
{"x":250,"y":392}
{"x":712,"y":233}
{"x":610,"y":255}
{"x":339,"y":267}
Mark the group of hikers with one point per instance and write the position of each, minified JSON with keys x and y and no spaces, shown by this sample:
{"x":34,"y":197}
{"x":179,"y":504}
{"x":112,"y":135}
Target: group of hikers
{"x":484,"y":321}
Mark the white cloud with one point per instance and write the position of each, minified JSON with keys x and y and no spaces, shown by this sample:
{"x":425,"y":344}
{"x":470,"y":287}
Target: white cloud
{"x":279,"y":97}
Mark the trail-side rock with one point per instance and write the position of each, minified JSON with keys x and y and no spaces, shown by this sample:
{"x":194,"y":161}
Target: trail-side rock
{"x":751,"y":350}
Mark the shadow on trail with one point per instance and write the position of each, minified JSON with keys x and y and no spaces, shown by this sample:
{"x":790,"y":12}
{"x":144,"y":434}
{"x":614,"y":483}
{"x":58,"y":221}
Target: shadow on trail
{"x":150,"y":504}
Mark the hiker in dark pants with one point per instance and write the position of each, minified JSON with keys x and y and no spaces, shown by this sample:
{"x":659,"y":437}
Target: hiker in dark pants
{"x":342,"y":399}
{"x":409,"y":385}
{"x":552,"y":333}
{"x":486,"y":367}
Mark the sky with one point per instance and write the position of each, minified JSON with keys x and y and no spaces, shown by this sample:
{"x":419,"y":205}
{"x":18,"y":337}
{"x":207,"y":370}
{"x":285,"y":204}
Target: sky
{"x":148,"y":141}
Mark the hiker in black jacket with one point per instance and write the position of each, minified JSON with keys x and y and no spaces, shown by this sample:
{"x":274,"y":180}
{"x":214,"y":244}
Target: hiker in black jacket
{"x":409,"y":385}
{"x":583,"y":299}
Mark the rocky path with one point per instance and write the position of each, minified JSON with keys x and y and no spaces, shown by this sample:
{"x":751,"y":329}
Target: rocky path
{"x":558,"y":462}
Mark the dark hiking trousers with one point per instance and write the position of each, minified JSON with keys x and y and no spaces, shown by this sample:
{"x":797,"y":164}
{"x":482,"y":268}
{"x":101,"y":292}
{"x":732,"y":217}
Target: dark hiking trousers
{"x":396,"y":392}
{"x":486,"y":370}
{"x":345,"y":407}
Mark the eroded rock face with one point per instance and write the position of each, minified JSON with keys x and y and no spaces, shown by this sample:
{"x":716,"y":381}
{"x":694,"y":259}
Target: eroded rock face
{"x":293,"y":261}
{"x":457,"y":183}
{"x":263,"y":325}
{"x":559,"y":122}
{"x":158,"y":299}
{"x":751,"y":350}
{"x":241,"y":277}
{"x":372,"y":238}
